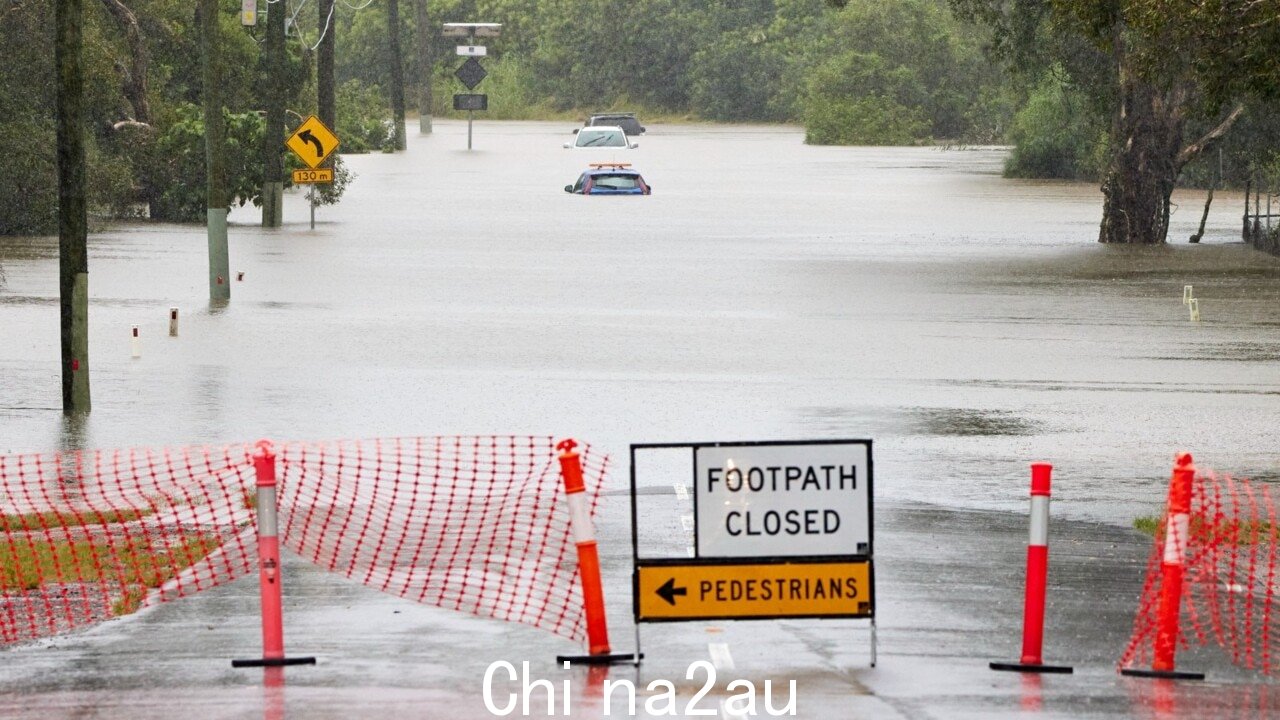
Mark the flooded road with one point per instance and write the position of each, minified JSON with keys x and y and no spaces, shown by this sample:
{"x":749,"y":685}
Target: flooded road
{"x":767,"y":290}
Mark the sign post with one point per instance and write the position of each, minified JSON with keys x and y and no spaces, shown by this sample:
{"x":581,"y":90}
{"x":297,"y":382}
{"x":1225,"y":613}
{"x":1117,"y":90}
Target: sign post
{"x":780,"y":530}
{"x":471,"y":72}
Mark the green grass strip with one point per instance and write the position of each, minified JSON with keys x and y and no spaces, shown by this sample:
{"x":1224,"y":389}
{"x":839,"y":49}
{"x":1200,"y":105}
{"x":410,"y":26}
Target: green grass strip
{"x":131,"y":563}
{"x":63,"y":518}
{"x":1245,"y":533}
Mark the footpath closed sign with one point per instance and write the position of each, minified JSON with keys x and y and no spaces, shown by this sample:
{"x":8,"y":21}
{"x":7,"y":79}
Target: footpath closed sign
{"x":777,"y":529}
{"x":783,"y":499}
{"x":716,"y":591}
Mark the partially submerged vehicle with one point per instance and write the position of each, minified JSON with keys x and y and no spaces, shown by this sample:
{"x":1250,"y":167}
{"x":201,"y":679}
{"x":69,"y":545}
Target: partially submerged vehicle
{"x":609,"y":179}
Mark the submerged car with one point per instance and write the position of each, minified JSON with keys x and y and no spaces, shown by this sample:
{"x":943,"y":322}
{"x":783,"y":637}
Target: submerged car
{"x":609,"y":179}
{"x":605,"y":136}
{"x":625,"y":120}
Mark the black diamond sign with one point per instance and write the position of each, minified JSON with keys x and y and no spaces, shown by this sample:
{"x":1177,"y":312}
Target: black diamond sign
{"x":471,"y":73}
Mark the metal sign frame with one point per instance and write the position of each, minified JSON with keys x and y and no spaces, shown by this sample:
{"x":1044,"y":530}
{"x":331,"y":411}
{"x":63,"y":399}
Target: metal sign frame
{"x":698,"y":560}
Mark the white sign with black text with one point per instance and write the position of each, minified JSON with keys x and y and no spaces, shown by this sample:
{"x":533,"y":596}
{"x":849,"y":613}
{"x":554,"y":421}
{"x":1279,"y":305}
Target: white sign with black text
{"x":781,"y":500}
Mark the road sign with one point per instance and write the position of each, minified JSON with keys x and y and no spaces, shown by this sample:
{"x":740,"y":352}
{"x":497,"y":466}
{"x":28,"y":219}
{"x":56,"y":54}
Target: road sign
{"x":681,"y":590}
{"x":312,"y":142}
{"x":780,"y":529}
{"x":465,"y":101}
{"x":782,"y":499}
{"x":473,"y":50}
{"x":319,"y":175}
{"x":471,"y":73}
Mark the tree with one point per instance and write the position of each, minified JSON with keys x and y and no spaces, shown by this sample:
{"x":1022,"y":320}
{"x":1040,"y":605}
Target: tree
{"x":897,"y":72}
{"x":1156,"y":66}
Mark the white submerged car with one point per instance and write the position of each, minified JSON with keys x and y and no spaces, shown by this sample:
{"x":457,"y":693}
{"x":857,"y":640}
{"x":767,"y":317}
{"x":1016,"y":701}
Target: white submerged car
{"x":601,"y":136}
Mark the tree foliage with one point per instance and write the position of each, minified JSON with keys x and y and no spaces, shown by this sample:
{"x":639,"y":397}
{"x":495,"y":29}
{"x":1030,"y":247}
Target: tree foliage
{"x":1160,"y":70}
{"x":902,"y":71}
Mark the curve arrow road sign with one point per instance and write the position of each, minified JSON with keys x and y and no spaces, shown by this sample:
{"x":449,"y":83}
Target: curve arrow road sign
{"x":312,"y":142}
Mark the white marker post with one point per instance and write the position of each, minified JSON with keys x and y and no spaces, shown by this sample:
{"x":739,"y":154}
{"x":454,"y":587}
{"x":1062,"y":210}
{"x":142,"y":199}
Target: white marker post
{"x":135,"y":344}
{"x":173,"y":322}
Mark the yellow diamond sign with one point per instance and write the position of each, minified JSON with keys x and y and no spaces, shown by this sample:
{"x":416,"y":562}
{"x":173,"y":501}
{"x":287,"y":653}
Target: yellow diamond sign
{"x":312,"y":142}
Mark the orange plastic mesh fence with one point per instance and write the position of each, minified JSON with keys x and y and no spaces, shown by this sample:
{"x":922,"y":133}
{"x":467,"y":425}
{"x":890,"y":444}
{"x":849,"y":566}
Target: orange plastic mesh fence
{"x":93,"y":534}
{"x":476,"y":524}
{"x":1230,"y":580}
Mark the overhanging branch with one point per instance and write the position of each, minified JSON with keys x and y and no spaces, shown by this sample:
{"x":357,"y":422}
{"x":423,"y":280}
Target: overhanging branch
{"x":1189,"y":152}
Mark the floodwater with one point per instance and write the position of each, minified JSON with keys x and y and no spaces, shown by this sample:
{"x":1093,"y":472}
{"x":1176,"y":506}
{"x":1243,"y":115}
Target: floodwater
{"x":968,"y":324}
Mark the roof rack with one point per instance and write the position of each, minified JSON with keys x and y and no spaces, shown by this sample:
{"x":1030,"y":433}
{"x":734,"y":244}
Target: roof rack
{"x":618,"y":165}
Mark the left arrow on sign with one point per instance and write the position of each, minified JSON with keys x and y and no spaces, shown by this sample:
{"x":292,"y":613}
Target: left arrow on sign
{"x":669,"y":591}
{"x":307,"y":137}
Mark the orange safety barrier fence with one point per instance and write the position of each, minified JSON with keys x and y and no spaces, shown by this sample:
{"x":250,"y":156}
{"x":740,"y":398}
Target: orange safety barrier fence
{"x":474,"y":524}
{"x":1229,"y":576}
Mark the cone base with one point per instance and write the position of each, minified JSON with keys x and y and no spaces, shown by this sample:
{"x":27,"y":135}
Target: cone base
{"x":274,"y":662}
{"x":1162,"y":674}
{"x":1026,"y":667}
{"x":601,"y":659}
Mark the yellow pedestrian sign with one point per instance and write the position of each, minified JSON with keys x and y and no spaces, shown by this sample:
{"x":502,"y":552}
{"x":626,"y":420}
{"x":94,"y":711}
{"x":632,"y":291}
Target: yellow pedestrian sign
{"x":312,"y":142}
{"x":726,"y":590}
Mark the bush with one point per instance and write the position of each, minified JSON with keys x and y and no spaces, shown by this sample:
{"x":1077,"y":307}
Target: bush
{"x":901,"y":72}
{"x":29,"y":184}
{"x":174,"y":174}
{"x":364,"y":121}
{"x":736,"y":78}
{"x":1056,"y":135}
{"x":864,"y":121}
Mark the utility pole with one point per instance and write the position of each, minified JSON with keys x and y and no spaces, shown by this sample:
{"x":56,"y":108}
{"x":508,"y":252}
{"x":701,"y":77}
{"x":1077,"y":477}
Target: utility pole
{"x":326,"y":98}
{"x":215,"y":153}
{"x":73,"y":221}
{"x":397,"y":71}
{"x":326,"y":105}
{"x":425,"y":97}
{"x":273,"y":137}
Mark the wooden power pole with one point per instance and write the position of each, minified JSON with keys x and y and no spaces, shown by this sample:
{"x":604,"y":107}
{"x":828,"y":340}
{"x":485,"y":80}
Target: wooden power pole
{"x":273,"y":139}
{"x":424,"y":38}
{"x":73,"y":221}
{"x":397,"y":71}
{"x":216,"y":201}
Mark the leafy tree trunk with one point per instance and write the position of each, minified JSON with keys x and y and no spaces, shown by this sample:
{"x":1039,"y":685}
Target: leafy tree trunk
{"x":273,"y":137}
{"x":397,"y":71}
{"x":135,"y":76}
{"x":426,"y":33}
{"x":216,"y":201}
{"x":326,"y":105}
{"x":73,"y":223}
{"x":1146,"y":143}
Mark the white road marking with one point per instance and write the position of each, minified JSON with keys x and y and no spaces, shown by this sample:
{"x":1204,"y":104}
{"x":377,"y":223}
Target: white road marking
{"x":720,"y":655}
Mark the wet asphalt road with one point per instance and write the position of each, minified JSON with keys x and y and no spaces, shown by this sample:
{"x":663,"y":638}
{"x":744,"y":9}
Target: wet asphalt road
{"x":967,"y":323}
